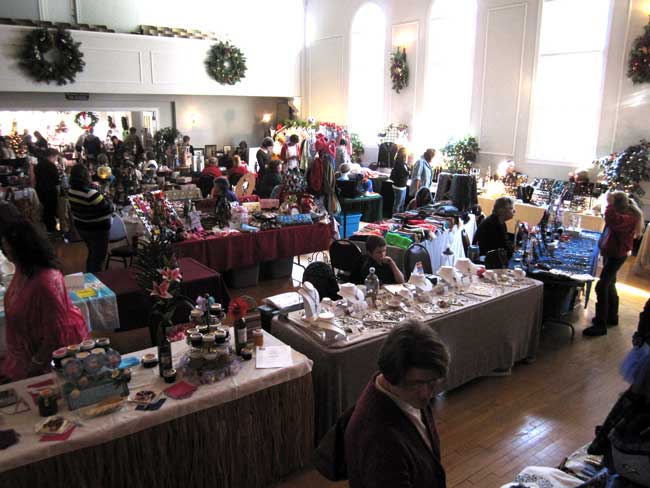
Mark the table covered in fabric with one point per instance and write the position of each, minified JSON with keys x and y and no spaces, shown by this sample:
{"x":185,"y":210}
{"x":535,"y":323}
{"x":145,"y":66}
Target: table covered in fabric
{"x":369,"y":206}
{"x":241,"y":250}
{"x":247,"y":430}
{"x":134,"y":305}
{"x":494,"y":333}
{"x":99,"y":311}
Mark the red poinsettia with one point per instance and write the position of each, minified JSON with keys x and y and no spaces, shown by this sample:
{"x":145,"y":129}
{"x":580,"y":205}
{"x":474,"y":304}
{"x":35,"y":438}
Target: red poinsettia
{"x":238,"y":308}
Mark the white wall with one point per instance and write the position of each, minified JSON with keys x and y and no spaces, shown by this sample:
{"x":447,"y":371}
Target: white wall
{"x":505,"y":56}
{"x":218,"y":120}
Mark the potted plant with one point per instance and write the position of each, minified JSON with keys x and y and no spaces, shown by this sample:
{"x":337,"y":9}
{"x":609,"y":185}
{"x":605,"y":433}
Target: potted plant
{"x":460,"y":155}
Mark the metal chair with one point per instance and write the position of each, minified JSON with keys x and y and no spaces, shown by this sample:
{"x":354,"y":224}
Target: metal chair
{"x":345,"y":256}
{"x":118,"y":234}
{"x":414,"y":254}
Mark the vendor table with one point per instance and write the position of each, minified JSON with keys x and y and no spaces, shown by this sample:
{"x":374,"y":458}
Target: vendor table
{"x":248,"y":430}
{"x":369,"y":206}
{"x":642,"y":262}
{"x":100,"y":310}
{"x":241,"y":250}
{"x":494,"y":333}
{"x":134,"y":304}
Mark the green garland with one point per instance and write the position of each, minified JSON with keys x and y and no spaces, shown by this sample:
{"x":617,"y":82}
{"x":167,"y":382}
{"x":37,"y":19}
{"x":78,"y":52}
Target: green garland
{"x":639,"y":64}
{"x":68,"y":59}
{"x":226,"y":63}
{"x":85,"y":124}
{"x":399,"y":69}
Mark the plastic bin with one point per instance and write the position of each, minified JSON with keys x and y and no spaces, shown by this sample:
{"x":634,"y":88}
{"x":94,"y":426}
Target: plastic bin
{"x":351,"y":220}
{"x":279,"y":268}
{"x":243,"y":277}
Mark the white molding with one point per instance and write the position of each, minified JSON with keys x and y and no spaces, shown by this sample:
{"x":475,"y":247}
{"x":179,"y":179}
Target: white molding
{"x":42,"y":9}
{"x":103,"y":50}
{"x":489,"y":153}
{"x":622,"y":76}
{"x":544,"y":162}
{"x":341,"y":90}
{"x":521,"y":68}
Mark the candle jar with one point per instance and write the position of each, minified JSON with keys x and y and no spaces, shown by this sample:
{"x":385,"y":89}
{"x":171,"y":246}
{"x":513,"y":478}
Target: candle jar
{"x":47,"y":405}
{"x":258,"y":337}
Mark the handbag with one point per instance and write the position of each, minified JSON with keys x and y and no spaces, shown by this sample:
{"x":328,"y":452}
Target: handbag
{"x":329,"y":456}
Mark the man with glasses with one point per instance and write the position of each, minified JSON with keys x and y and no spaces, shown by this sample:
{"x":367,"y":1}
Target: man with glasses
{"x":391,"y":439}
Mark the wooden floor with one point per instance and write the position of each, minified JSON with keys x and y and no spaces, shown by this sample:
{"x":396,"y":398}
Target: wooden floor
{"x":492,"y":428}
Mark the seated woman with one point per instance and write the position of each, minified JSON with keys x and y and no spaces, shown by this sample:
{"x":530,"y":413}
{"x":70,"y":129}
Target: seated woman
{"x":222,"y":188}
{"x":272,"y":178}
{"x":492,"y":233}
{"x":238,"y":170}
{"x":385,"y":268}
{"x":40,"y":316}
{"x":422,"y":197}
{"x":211,"y":168}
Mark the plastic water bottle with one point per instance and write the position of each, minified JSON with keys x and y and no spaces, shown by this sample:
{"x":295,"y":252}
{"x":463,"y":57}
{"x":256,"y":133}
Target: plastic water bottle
{"x":372,"y":287}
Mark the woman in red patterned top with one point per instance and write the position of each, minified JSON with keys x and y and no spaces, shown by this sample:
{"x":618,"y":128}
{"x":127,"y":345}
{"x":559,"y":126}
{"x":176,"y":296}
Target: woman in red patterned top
{"x":39,"y":313}
{"x":623,"y":223}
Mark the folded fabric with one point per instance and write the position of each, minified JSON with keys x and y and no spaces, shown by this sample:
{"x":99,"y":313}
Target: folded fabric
{"x":180,"y":390}
{"x":397,"y":240}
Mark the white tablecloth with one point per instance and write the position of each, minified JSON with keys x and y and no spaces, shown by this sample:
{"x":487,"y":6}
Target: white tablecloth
{"x":100,"y":312}
{"x":128,"y":421}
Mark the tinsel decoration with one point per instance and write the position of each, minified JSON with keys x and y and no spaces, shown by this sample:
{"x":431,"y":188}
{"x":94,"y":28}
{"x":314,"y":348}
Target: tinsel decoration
{"x":399,"y":69}
{"x":626,"y":170}
{"x":86,"y":120}
{"x":460,"y":155}
{"x":15,"y":141}
{"x":639,"y":64}
{"x":41,"y":44}
{"x":226,"y":63}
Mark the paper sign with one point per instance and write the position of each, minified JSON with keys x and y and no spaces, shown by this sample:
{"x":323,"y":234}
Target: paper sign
{"x":273,"y":357}
{"x":86,"y":293}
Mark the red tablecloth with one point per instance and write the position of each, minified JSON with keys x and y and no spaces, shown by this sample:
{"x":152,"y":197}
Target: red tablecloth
{"x":247,"y":249}
{"x":133,"y":304}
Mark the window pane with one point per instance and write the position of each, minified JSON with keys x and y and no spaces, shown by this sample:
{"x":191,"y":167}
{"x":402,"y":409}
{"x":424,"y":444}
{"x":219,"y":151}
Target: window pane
{"x":366,"y":94}
{"x":449,"y":77}
{"x":566,"y":109}
{"x":573,"y":25}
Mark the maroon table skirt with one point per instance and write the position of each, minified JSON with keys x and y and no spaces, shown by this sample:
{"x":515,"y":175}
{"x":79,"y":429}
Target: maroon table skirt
{"x":247,"y":249}
{"x":134,"y":305}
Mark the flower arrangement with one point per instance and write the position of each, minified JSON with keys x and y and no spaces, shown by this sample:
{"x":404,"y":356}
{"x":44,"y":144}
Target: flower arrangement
{"x":357,"y":147}
{"x":399,"y":69}
{"x":238,"y":308}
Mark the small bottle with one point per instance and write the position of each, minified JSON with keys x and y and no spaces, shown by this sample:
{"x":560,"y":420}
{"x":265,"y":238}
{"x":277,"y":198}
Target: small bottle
{"x":164,"y":351}
{"x":240,"y":334}
{"x":372,"y":287}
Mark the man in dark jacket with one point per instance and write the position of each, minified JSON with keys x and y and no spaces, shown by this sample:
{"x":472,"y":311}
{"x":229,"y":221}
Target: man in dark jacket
{"x":391,"y":439}
{"x":47,"y":187}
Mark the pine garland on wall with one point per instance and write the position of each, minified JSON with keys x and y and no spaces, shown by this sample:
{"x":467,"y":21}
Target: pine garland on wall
{"x":399,"y":69}
{"x":639,"y":64}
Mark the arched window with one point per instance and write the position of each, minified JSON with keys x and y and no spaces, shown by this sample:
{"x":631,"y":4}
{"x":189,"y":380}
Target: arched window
{"x":450,"y":71}
{"x":367,"y":52}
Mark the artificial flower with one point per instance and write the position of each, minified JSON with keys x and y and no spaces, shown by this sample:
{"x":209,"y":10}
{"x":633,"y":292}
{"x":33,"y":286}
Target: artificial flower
{"x":238,"y":308}
{"x":161,"y":290}
{"x":170,"y":275}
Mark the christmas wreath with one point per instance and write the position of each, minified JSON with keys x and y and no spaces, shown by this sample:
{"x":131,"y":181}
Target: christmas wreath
{"x":639,"y":65}
{"x":51,"y":56}
{"x":86,"y":120}
{"x":399,"y":70}
{"x":226,"y":63}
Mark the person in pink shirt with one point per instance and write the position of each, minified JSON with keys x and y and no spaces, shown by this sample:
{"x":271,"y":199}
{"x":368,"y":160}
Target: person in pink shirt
{"x":39,"y":314}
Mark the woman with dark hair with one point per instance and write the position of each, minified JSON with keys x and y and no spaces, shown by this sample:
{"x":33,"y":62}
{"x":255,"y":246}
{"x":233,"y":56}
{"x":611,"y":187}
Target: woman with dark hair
{"x":623,"y":223}
{"x":422,"y":197}
{"x":399,"y":176}
{"x":263,"y":156}
{"x":40,"y":316}
{"x":92,"y":215}
{"x":271,"y":178}
{"x":222,"y":188}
